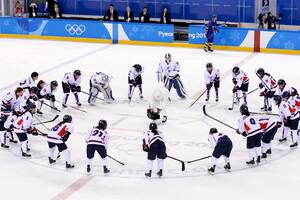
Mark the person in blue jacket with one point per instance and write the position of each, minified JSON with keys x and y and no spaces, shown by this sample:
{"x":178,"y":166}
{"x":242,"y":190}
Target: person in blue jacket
{"x":210,"y":30}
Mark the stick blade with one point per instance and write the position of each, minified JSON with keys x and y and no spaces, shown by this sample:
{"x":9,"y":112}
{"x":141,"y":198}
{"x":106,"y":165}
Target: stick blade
{"x":204,"y":110}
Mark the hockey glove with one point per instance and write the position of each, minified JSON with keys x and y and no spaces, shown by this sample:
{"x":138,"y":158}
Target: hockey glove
{"x":78,"y":89}
{"x":234,"y":81}
{"x":145,"y":148}
{"x":234,"y":90}
{"x":262,"y":94}
{"x":260,"y":85}
{"x":217,"y":79}
{"x":244,"y":134}
{"x":66,"y":137}
{"x":279,"y":124}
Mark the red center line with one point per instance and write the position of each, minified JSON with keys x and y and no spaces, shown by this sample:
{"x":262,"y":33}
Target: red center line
{"x":228,"y":72}
{"x":75,"y":186}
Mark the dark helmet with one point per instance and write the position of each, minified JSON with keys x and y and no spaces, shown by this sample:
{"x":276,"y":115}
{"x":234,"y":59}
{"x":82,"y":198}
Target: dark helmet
{"x":244,"y":110}
{"x":281,"y":82}
{"x":102,"y":124}
{"x":213,"y":130}
{"x":152,"y":126}
{"x":54,"y":84}
{"x":294,"y":92}
{"x":286,"y":95}
{"x":168,"y":56}
{"x":209,"y":65}
{"x":67,"y":119}
{"x":236,"y":70}
{"x":30,"y":106}
{"x":261,"y":72}
{"x":277,"y":99}
{"x":137,"y":67}
{"x":34,"y":74}
{"x":77,"y":72}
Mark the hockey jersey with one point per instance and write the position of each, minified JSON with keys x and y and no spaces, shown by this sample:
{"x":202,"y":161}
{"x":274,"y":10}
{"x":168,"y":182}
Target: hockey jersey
{"x":241,"y":78}
{"x":149,"y":138}
{"x":70,"y":79}
{"x":213,"y":139}
{"x":27,"y":83}
{"x":287,"y":110}
{"x":250,"y":125}
{"x":98,"y":137}
{"x":168,"y":69}
{"x":23,"y":123}
{"x":266,"y":124}
{"x":100,"y":79}
{"x":11,"y":102}
{"x":56,"y":134}
{"x":210,"y":77}
{"x":268,"y":82}
{"x":132,"y":74}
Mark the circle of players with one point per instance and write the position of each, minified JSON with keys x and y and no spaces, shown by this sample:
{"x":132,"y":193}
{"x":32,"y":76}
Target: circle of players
{"x":19,"y":106}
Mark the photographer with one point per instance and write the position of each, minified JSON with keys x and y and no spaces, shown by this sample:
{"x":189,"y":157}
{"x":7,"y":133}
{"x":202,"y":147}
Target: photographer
{"x":271,"y":21}
{"x":261,"y":18}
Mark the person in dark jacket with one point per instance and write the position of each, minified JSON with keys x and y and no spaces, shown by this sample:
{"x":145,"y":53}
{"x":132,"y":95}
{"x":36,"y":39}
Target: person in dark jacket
{"x":57,"y":12}
{"x":128,"y":15}
{"x":271,"y":21}
{"x":111,"y":14}
{"x":261,"y":18}
{"x":145,"y":16}
{"x":165,"y":17}
{"x":32,"y":10}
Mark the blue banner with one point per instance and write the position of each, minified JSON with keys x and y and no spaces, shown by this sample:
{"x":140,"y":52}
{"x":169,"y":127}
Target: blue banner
{"x":284,"y":40}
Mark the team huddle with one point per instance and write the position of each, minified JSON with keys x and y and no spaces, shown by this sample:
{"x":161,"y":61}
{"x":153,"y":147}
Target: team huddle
{"x":20,"y":106}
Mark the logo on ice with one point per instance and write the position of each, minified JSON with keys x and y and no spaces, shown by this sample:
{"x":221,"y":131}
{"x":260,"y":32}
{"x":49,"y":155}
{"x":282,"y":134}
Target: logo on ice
{"x":165,"y":34}
{"x":75,"y":29}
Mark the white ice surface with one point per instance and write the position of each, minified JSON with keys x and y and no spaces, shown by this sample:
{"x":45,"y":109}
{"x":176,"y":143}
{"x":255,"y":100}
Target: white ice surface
{"x":186,"y":131}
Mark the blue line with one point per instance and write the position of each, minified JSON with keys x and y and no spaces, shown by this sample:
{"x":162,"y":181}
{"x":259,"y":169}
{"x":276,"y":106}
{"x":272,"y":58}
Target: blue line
{"x":62,"y":64}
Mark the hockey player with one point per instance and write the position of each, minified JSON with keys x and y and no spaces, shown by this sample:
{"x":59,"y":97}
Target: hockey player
{"x":135,"y":80}
{"x":283,"y":87}
{"x":250,"y":128}
{"x":23,"y":126}
{"x":12,"y":101}
{"x":212,"y":78}
{"x":222,"y":147}
{"x":289,"y":116}
{"x":269,"y":128}
{"x":241,"y":83}
{"x":268,"y":86}
{"x":71,"y":83}
{"x":210,"y":31}
{"x":154,"y":144}
{"x":47,"y":93}
{"x":97,"y":140}
{"x":3,"y":131}
{"x":8,"y":127}
{"x":168,"y":73}
{"x":58,"y":136}
{"x":99,"y":82}
{"x":157,"y":109}
{"x":30,"y":81}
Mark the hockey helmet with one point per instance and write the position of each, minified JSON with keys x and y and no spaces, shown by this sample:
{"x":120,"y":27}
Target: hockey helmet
{"x":286,"y":95}
{"x":137,"y":67}
{"x":260,"y":72}
{"x":152,"y":126}
{"x":168,"y":56}
{"x":281,"y":82}
{"x":102,"y":124}
{"x":213,"y":130}
{"x":244,"y":110}
{"x":77,"y":72}
{"x":34,"y":75}
{"x":277,"y":99}
{"x":54,"y":84}
{"x":19,"y":91}
{"x":67,"y":119}
{"x":236,"y":70}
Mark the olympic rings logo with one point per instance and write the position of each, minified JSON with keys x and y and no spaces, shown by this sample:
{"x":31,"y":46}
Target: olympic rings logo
{"x":75,"y":29}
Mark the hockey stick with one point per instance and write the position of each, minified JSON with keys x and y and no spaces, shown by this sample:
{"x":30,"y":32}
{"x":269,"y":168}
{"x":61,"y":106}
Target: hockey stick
{"x":75,"y":108}
{"x":116,"y":160}
{"x":249,"y":93}
{"x":259,"y":113}
{"x":51,"y":106}
{"x":131,"y":94}
{"x":205,"y":113}
{"x":45,"y":122}
{"x":42,"y":133}
{"x":40,"y":122}
{"x":182,"y":162}
{"x":203,"y":158}
{"x":263,"y":81}
{"x":92,"y":95}
{"x":198,"y":98}
{"x":232,"y":105}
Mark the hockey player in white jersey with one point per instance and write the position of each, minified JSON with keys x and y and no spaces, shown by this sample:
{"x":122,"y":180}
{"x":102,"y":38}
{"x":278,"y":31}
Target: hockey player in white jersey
{"x":212,"y":79}
{"x":250,"y":128}
{"x":154,"y":144}
{"x":241,"y":83}
{"x":222,"y":146}
{"x":269,"y":128}
{"x":168,"y":73}
{"x":12,"y":100}
{"x":97,"y":140}
{"x":30,"y":81}
{"x":71,"y":83}
{"x":7,"y":127}
{"x":99,"y":82}
{"x":289,"y":116}
{"x":47,"y":92}
{"x":135,"y":80}
{"x":23,"y":126}
{"x":58,"y":137}
{"x":268,"y":86}
{"x":158,"y":106}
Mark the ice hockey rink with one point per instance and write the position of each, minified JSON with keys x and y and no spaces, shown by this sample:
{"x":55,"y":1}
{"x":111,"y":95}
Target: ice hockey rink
{"x":186,"y":131}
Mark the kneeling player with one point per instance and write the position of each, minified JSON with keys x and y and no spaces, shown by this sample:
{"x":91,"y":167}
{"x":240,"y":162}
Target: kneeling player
{"x":47,"y":93}
{"x":249,"y":127}
{"x":157,"y":109}
{"x":58,"y":136}
{"x":135,"y":80}
{"x":99,"y":82}
{"x":154,"y":144}
{"x":222,"y":147}
{"x":97,"y":140}
{"x":212,"y":78}
{"x":23,"y":126}
{"x":269,"y":127}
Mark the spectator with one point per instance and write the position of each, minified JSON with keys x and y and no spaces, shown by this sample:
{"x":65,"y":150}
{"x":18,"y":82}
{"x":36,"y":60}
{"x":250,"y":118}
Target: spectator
{"x":261,"y":18}
{"x":165,"y":17}
{"x":145,"y":16}
{"x":57,"y":13}
{"x":32,"y":10}
{"x":128,"y":15}
{"x":271,"y":21}
{"x":18,"y":9}
{"x":111,"y":14}
{"x":50,"y":7}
